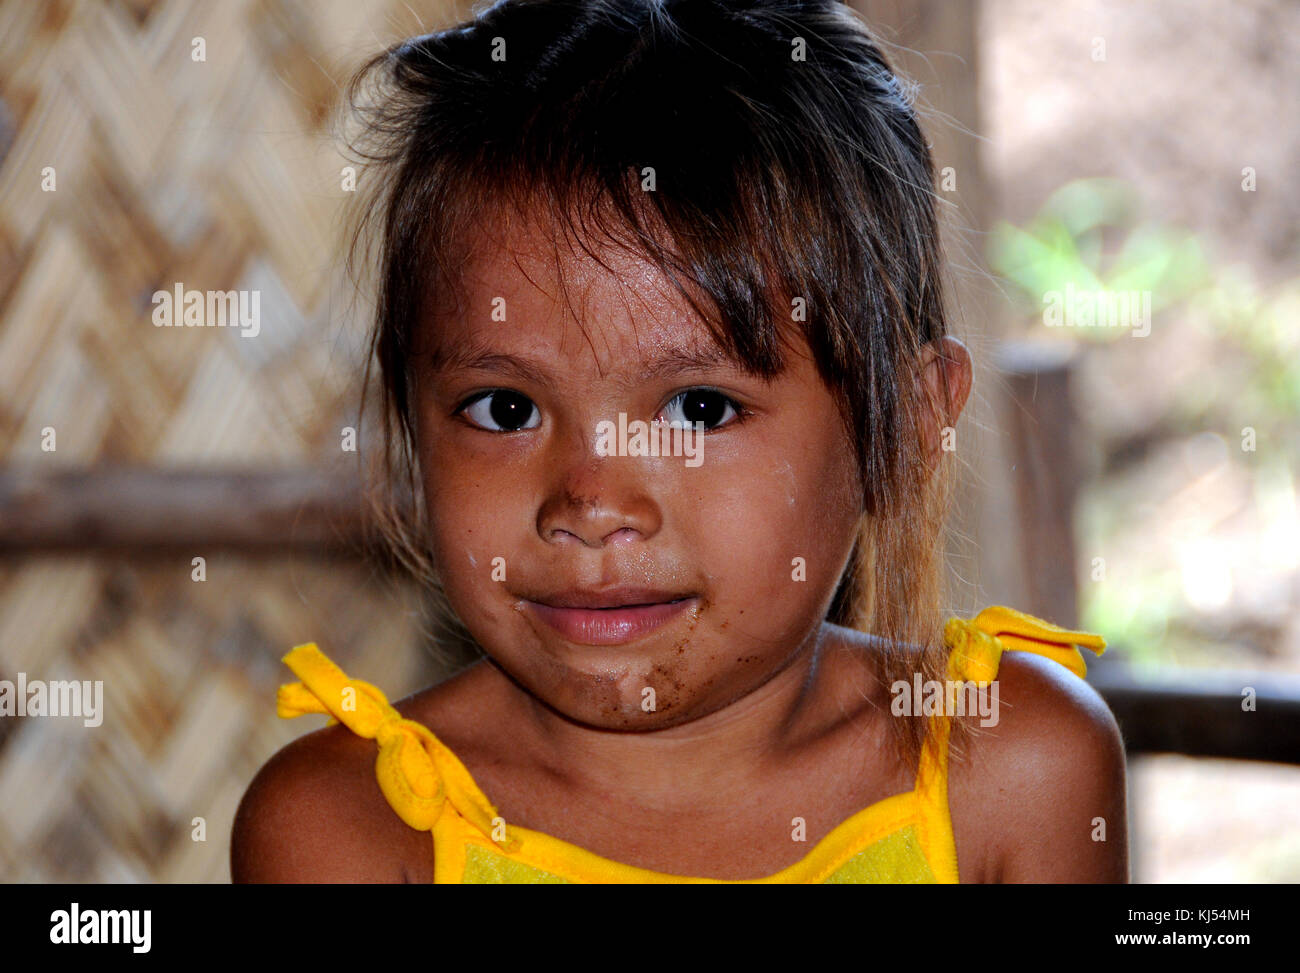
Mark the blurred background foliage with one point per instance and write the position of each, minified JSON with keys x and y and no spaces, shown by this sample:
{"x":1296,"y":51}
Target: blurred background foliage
{"x":1090,"y":237}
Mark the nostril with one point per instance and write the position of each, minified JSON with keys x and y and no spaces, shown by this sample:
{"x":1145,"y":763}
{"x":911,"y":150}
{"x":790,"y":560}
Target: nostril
{"x":565,"y":537}
{"x":622,"y":535}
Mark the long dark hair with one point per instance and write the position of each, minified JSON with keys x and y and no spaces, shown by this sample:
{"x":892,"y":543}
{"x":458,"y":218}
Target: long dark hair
{"x":790,"y":174}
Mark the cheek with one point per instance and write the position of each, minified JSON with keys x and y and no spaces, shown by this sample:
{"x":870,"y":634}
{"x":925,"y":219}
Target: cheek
{"x":778,"y":529}
{"x":471,"y":514}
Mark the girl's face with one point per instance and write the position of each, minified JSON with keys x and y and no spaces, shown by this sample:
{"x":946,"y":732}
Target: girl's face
{"x":624,"y":591}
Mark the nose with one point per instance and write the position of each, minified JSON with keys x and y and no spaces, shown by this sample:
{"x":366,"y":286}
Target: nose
{"x":604,"y":501}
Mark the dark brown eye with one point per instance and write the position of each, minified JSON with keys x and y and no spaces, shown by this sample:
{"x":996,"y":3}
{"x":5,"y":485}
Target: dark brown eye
{"x":502,"y":411}
{"x":706,"y":406}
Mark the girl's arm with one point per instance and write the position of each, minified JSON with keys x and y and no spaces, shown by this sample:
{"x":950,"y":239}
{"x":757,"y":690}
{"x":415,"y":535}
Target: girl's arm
{"x":314,"y":813}
{"x":1052,"y":779}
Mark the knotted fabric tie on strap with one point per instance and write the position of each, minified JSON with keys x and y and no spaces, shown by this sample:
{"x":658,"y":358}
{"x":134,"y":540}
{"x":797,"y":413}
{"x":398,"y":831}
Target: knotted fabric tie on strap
{"x":978,"y":644}
{"x":416,"y":771}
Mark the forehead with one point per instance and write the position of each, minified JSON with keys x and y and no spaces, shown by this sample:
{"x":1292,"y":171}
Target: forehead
{"x":525,"y":288}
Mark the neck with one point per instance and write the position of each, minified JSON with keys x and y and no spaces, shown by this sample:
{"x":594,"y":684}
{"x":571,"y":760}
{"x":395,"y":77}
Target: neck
{"x":711,"y":760}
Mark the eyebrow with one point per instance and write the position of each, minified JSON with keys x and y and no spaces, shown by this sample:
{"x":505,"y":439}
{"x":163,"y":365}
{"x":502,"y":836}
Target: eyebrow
{"x":673,"y":361}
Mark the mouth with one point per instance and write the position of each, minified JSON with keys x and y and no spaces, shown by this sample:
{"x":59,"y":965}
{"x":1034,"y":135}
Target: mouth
{"x":612,"y":617}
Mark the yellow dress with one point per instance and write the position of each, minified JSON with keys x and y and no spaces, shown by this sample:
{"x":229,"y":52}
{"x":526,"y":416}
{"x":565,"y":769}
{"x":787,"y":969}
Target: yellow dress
{"x":906,"y":838}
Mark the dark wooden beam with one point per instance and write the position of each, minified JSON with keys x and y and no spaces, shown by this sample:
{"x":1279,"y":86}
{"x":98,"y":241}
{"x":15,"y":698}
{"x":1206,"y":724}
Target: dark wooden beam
{"x":139,"y":511}
{"x":1200,"y":714}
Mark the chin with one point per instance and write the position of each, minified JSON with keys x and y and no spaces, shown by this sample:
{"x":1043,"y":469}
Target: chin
{"x":615,"y":688}
{"x":629,"y":718}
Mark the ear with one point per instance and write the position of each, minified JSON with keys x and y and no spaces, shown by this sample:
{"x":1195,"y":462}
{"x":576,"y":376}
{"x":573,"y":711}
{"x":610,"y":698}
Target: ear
{"x":946,"y":382}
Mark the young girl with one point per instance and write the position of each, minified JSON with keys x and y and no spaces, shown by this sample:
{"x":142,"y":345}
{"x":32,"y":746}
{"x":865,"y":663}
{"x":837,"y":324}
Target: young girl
{"x":664,"y":361}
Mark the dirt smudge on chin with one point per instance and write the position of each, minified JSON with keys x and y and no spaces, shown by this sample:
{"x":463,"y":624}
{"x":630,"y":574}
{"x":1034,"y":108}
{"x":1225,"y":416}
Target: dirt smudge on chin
{"x":670,"y":675}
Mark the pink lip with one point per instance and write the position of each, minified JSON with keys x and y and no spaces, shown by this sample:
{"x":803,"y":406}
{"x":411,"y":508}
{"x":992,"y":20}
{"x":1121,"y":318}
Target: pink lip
{"x":609,"y":626}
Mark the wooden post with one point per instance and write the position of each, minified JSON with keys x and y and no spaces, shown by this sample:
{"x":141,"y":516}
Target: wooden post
{"x":1040,"y":419}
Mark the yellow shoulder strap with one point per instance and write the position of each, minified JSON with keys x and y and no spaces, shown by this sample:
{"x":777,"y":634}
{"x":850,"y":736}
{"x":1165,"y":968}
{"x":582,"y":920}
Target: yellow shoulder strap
{"x":977,"y":645}
{"x":416,"y":771}
{"x":976,"y":648}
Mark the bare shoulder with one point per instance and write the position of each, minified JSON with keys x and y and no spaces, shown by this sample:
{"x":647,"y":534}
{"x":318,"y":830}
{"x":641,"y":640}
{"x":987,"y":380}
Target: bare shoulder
{"x":315,"y":813}
{"x":1039,"y":796}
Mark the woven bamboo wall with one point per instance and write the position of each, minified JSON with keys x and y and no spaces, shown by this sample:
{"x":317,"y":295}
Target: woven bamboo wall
{"x":219,"y":174}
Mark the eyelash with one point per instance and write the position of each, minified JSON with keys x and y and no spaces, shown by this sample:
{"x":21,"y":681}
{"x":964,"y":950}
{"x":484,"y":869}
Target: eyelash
{"x":741,"y":414}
